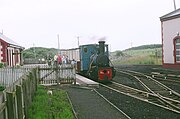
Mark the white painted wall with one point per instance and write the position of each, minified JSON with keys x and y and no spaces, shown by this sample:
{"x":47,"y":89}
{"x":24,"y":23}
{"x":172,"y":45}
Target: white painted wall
{"x":170,"y":29}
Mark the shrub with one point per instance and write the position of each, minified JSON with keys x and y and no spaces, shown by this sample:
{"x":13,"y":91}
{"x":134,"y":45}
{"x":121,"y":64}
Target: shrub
{"x":1,"y":65}
{"x":2,"y":88}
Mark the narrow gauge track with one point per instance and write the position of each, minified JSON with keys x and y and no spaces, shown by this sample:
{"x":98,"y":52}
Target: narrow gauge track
{"x":139,"y":94}
{"x":166,"y":78}
{"x":166,"y":96}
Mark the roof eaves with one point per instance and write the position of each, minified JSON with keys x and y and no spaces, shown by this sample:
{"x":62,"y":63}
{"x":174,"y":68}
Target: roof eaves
{"x":171,"y":15}
{"x":169,"y":18}
{"x":9,"y":41}
{"x":16,"y":46}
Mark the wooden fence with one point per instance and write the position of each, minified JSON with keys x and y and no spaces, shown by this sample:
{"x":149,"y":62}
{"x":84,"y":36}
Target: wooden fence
{"x":9,"y":75}
{"x":61,"y":74}
{"x":18,"y":95}
{"x":16,"y":99}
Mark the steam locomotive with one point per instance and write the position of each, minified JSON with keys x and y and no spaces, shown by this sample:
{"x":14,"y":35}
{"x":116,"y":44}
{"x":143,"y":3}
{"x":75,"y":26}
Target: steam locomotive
{"x":95,"y":62}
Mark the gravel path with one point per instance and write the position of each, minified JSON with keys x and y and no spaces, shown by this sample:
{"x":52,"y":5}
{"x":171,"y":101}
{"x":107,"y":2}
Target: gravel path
{"x":89,"y":105}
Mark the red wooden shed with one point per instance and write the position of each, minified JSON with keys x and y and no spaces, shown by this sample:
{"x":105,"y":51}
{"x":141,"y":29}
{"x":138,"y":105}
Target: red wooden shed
{"x":10,"y":51}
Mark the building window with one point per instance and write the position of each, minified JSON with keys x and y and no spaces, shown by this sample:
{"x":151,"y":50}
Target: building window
{"x":177,"y":49}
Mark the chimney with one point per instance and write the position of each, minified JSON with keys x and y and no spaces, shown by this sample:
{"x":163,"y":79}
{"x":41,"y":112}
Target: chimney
{"x":101,"y":47}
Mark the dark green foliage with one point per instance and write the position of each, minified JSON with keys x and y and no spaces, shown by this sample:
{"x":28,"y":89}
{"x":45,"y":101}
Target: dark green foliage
{"x":39,"y":52}
{"x":119,"y":53}
{"x":1,"y":65}
{"x":2,"y":88}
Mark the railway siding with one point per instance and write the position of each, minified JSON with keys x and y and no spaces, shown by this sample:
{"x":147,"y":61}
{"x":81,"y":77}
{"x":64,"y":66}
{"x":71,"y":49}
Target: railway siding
{"x":88,"y":104}
{"x":168,"y":97}
{"x":135,"y":108}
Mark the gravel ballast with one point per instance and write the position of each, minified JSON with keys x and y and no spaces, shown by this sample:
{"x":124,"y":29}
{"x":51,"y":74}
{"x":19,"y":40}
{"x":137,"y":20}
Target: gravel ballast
{"x":89,"y":105}
{"x":137,"y":109}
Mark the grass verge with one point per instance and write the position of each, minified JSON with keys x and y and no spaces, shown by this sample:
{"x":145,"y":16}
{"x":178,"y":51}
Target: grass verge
{"x":142,"y":60}
{"x":55,"y":106}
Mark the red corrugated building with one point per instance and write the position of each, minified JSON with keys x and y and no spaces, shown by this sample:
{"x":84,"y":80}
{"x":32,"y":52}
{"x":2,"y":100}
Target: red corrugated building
{"x":10,"y":51}
{"x":170,"y":31}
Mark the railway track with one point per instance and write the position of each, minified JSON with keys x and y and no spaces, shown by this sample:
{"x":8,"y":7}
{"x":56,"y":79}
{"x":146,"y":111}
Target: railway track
{"x":169,"y":78}
{"x":155,"y":92}
{"x":167,"y":96}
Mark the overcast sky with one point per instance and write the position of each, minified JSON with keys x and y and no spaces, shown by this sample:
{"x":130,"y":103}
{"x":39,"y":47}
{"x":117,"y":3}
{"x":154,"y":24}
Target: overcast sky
{"x":124,"y":23}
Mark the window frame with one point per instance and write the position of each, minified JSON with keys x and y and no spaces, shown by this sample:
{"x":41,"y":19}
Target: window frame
{"x":175,"y":50}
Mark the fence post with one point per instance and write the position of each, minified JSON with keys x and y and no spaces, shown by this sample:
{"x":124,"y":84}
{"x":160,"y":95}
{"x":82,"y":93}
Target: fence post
{"x":36,"y":78}
{"x":10,"y":105}
{"x":57,"y":76}
{"x":25,"y":98}
{"x":74,"y":77}
{"x":30,"y":85}
{"x":38,"y":75}
{"x":19,"y":101}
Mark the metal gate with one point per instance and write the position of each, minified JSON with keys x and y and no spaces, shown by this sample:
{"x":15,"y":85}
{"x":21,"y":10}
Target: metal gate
{"x":54,"y":75}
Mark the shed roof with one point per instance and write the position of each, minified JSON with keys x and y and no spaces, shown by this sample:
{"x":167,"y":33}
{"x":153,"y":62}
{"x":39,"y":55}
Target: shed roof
{"x":172,"y":15}
{"x":9,"y":41}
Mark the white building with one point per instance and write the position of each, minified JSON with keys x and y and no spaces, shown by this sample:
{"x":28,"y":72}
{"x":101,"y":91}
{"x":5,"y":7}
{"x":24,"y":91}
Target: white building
{"x":170,"y":31}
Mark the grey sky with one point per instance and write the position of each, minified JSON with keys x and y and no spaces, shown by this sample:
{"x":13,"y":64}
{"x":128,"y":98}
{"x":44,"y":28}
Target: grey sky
{"x":124,"y":23}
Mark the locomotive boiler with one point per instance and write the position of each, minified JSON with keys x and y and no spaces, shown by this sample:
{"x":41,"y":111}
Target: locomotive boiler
{"x":95,"y":62}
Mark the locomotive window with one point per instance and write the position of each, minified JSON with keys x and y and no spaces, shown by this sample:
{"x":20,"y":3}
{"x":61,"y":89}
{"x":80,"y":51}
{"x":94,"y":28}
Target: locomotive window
{"x":85,"y":50}
{"x":105,"y":49}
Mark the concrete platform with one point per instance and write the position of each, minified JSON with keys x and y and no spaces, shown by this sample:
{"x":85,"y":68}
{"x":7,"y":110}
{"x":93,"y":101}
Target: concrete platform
{"x":83,"y":81}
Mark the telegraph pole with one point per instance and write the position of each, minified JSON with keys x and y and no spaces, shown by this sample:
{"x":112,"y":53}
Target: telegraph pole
{"x":58,"y":42}
{"x":78,"y":41}
{"x":34,"y":50}
{"x":174,"y":4}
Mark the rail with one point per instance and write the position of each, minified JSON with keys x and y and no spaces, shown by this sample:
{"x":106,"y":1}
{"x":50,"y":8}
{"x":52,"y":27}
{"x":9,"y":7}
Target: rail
{"x":164,"y":93}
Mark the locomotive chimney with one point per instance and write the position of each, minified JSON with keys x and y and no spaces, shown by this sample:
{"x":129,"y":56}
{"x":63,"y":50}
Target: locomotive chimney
{"x":101,"y":47}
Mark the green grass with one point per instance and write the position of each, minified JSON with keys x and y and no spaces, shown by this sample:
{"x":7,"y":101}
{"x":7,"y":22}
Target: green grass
{"x":152,"y":52}
{"x":54,"y":106}
{"x":145,"y":56}
{"x":140,"y":60}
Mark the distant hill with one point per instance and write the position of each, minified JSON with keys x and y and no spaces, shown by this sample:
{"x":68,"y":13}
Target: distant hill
{"x":152,"y":46}
{"x":145,"y":54}
{"x":41,"y":52}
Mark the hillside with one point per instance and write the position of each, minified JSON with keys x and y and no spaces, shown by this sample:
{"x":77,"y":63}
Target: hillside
{"x":145,"y":54}
{"x":142,"y":47}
